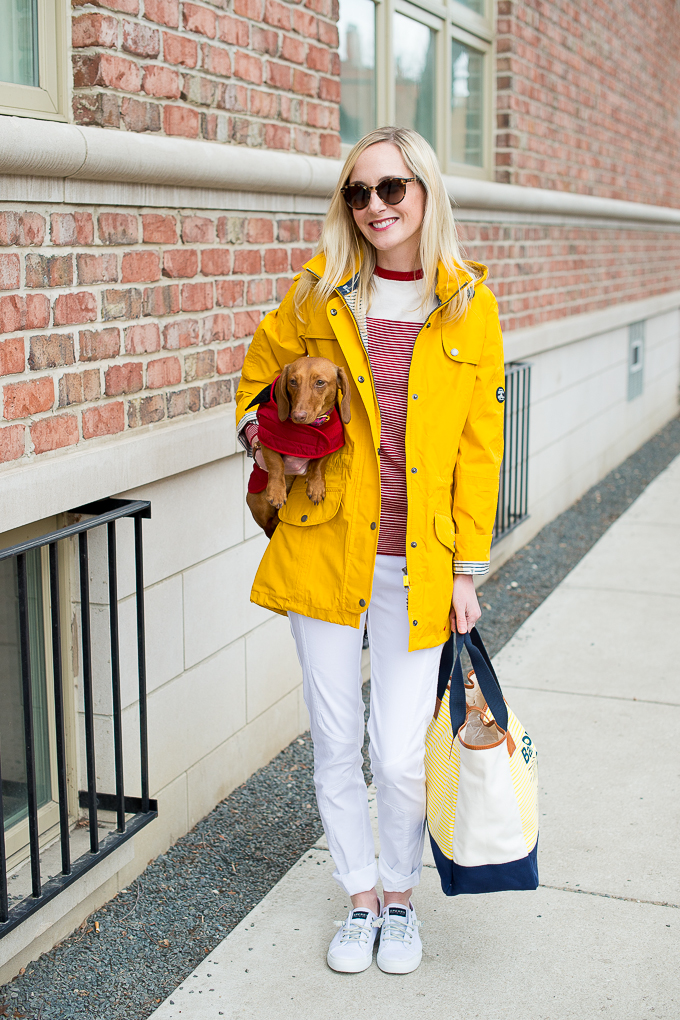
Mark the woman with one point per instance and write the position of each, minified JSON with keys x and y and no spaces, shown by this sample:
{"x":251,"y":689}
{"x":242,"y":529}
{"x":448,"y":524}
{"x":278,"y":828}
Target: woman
{"x":408,"y":513}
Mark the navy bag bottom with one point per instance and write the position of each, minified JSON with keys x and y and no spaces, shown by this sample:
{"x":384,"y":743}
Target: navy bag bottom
{"x":456,"y":879}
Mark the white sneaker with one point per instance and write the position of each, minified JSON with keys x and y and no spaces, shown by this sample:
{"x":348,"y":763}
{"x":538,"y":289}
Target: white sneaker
{"x":351,"y":949}
{"x":400,"y":949}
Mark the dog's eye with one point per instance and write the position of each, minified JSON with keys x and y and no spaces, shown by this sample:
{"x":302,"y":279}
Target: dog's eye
{"x":320,"y":383}
{"x":292,"y":382}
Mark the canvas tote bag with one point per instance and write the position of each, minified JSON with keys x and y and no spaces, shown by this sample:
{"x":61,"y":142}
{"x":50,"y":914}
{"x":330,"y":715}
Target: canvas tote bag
{"x":482,"y":780}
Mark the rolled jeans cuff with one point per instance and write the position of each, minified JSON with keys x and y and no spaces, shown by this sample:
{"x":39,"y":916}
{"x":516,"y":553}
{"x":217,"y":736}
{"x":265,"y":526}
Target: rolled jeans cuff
{"x":392,"y":881}
{"x":359,"y":881}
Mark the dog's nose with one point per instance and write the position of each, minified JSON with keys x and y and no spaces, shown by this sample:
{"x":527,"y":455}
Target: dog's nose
{"x":299,"y":416}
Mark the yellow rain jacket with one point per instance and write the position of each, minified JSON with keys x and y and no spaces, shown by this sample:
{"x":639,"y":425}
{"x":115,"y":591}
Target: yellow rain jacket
{"x":320,"y":560}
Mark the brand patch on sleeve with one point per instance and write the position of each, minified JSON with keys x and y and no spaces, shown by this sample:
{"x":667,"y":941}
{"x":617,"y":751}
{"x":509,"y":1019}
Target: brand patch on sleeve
{"x":500,"y":394}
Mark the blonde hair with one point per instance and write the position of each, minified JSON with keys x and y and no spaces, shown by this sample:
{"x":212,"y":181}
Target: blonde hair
{"x":347,"y":250}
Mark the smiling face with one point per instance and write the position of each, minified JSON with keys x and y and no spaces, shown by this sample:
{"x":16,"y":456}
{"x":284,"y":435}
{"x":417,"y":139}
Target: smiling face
{"x":393,"y":230}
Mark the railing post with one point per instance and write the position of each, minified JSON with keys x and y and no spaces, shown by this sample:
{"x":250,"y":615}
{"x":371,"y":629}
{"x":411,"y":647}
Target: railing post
{"x":141,"y":664}
{"x":88,"y":698}
{"x":4,"y":910}
{"x":59,"y":710}
{"x":29,"y":740}
{"x":115,"y":676}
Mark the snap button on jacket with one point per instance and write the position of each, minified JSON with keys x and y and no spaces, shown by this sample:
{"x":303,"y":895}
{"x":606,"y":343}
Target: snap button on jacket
{"x":320,"y":559}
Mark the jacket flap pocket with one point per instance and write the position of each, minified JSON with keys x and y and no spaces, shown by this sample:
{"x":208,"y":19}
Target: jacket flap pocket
{"x":462,"y":346}
{"x":445,"y":531}
{"x":300,"y":511}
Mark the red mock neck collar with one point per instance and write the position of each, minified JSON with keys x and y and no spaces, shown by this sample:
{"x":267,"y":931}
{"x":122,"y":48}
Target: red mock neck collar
{"x":387,"y":274}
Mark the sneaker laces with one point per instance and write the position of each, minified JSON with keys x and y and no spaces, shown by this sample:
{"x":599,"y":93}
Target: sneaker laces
{"x":396,"y":927}
{"x":356,"y":929}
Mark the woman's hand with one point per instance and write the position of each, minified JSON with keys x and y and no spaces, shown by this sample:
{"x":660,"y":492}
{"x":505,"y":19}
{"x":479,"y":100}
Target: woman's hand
{"x":465,"y":609}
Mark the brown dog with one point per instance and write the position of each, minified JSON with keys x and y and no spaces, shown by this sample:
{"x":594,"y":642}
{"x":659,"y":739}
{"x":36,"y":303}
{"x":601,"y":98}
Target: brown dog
{"x":306,"y":390}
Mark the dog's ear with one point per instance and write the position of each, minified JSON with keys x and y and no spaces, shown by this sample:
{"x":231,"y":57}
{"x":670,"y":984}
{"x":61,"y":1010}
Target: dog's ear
{"x":343,"y":384}
{"x":281,"y":394}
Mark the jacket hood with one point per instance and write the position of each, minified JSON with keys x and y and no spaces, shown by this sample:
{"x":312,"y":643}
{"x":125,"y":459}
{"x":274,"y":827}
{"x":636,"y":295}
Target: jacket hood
{"x":447,"y":283}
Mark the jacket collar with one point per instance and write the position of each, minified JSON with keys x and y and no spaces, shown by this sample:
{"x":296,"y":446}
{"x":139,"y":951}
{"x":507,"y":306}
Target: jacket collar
{"x":447,"y":284}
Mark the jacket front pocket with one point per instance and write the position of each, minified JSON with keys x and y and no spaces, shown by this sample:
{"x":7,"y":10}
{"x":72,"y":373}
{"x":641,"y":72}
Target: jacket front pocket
{"x":445,"y":531}
{"x":300,"y":511}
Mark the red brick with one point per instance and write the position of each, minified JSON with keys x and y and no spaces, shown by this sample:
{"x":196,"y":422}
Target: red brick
{"x":277,"y":136}
{"x":63,"y":228}
{"x":12,"y":358}
{"x":215,"y":393}
{"x":329,"y":90}
{"x":245,"y":323}
{"x":198,"y":90}
{"x":46,"y":271}
{"x":126,"y":6}
{"x":105,"y":420}
{"x":231,"y":229}
{"x":215,"y":262}
{"x":146,"y":411}
{"x":163,"y":372}
{"x":199,"y":366}
{"x":106,"y":69}
{"x":54,"y":433}
{"x":94,"y":30}
{"x":247,"y":67}
{"x":177,"y":49}
{"x":283,"y":285}
{"x":183,"y":401}
{"x":74,"y":308}
{"x":232,"y":31}
{"x":260,"y":231}
{"x":229,"y":292}
{"x":182,"y":333}
{"x":263,"y":40}
{"x":200,"y":20}
{"x":328,"y":34}
{"x":18,"y":312}
{"x":306,"y":141}
{"x":24,"y":398}
{"x":178,"y":120}
{"x":161,"y":300}
{"x":279,"y":76}
{"x":125,"y":378}
{"x":163,"y":12}
{"x":197,"y":297}
{"x":99,"y":108}
{"x":287,"y":230}
{"x":51,"y":351}
{"x":121,"y":304}
{"x":259,"y":292}
{"x":180,"y":262}
{"x":293,"y":49}
{"x":118,"y":228}
{"x":263,"y":104}
{"x":9,"y":228}
{"x":141,"y":267}
{"x":317,"y":115}
{"x":276,"y":260}
{"x":31,"y":229}
{"x":247,"y":261}
{"x":142,"y":40}
{"x":304,"y":84}
{"x":277,"y":14}
{"x":318,"y":59}
{"x":330,"y":146}
{"x":216,"y":60}
{"x":251,"y":9}
{"x":97,"y":268}
{"x":311,"y":230}
{"x":298,"y":257}
{"x":158,"y":229}
{"x":198,"y":230}
{"x":84,"y":228}
{"x":78,"y":387}
{"x":99,"y":344}
{"x":306,"y":24}
{"x":140,"y":116}
{"x":216,"y":328}
{"x":143,"y":339}
{"x":230,"y":359}
{"x":233,"y":97}
{"x":12,"y":443}
{"x":9,"y":272}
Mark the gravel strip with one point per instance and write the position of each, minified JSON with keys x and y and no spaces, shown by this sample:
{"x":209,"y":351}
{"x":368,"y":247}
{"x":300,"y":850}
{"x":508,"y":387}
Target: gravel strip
{"x":128,"y":956}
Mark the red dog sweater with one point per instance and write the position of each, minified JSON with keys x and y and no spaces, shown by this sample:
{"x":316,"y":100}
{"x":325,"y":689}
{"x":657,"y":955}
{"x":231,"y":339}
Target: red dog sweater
{"x":323,"y":436}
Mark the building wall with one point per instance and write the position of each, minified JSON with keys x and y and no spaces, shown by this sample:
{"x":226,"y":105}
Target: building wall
{"x":587,"y":97}
{"x":261,"y":73}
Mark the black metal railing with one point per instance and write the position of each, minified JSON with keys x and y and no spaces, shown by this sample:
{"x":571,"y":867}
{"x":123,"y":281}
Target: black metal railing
{"x":513,"y":493}
{"x":142,"y":809}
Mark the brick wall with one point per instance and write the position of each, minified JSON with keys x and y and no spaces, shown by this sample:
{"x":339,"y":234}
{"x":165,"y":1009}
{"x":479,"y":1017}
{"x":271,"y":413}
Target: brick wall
{"x":262,"y":73}
{"x":588,"y":94}
{"x":115,"y":319}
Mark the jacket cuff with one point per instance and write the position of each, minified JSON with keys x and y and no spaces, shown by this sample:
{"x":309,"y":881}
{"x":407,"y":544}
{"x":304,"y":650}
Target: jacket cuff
{"x":249,"y":418}
{"x":470,"y":566}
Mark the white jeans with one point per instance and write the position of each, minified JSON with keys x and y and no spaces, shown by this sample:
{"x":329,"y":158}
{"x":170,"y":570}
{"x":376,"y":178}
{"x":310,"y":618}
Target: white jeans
{"x":403,"y":691}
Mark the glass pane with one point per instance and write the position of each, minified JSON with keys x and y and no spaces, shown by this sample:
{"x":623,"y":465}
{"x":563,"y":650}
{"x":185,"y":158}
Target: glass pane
{"x":356,"y":27}
{"x":19,"y":42}
{"x":414,"y":67}
{"x":14,"y":794}
{"x":467,"y":112}
{"x":474,"y":5}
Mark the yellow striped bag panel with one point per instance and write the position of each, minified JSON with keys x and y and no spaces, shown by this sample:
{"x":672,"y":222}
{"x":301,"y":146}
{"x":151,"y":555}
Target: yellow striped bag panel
{"x":442,"y":768}
{"x":524,"y":774}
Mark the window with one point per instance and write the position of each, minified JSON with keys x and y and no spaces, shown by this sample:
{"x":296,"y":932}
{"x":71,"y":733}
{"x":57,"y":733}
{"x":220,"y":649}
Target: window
{"x":33,"y":59}
{"x":421,"y":65}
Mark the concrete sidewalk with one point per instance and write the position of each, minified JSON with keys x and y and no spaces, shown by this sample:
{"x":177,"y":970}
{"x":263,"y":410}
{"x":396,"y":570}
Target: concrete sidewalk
{"x":593,"y":674}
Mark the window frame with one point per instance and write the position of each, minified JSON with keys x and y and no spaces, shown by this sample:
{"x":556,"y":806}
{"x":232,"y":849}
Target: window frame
{"x":451,"y":20}
{"x":49,"y":100}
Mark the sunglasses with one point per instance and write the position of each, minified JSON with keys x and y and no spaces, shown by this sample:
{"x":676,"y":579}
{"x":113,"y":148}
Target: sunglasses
{"x":391,"y":191}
